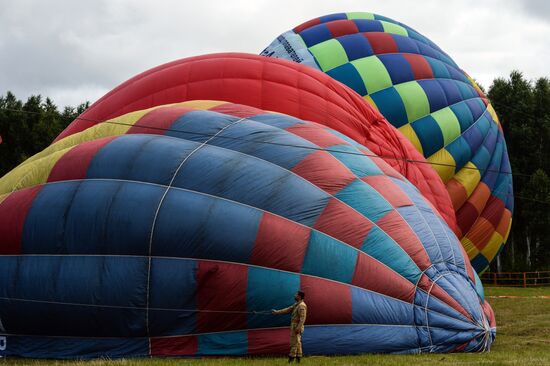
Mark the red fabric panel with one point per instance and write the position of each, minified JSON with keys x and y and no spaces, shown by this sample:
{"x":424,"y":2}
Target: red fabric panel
{"x":306,"y":25}
{"x":237,"y":110}
{"x":282,"y":86}
{"x":325,"y":171}
{"x":159,"y":120}
{"x":316,"y":134}
{"x":426,"y":284}
{"x":388,"y":189}
{"x":502,"y":227}
{"x":466,"y":217}
{"x":174,"y":346}
{"x":280,"y":243}
{"x":373,"y":275}
{"x":327,"y":302}
{"x":493,"y":211}
{"x":489,"y":313}
{"x":381,"y":42}
{"x":269,"y":341}
{"x":221,"y":286}
{"x":399,"y":230}
{"x":13,"y":210}
{"x":74,"y":164}
{"x":420,"y":67}
{"x":342,"y":27}
{"x":480,"y":233}
{"x":343,"y":223}
{"x":457,"y":192}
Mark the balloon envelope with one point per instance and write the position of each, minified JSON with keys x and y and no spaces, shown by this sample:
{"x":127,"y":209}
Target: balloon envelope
{"x":172,"y":231}
{"x":433,"y":103}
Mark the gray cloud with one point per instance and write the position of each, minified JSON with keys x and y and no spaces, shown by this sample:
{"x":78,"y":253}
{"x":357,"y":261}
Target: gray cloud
{"x":75,"y":51}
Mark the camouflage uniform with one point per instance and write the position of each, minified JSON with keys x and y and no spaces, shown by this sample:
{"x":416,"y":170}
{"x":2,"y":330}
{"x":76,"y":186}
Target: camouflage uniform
{"x":298,"y":318}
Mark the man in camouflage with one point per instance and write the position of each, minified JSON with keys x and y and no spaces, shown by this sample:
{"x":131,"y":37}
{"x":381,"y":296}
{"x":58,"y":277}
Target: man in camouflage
{"x":298,"y":318}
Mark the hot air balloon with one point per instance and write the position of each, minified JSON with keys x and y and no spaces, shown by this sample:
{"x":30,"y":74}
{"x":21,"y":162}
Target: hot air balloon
{"x":433,"y":103}
{"x":169,"y":231}
{"x":275,"y":85}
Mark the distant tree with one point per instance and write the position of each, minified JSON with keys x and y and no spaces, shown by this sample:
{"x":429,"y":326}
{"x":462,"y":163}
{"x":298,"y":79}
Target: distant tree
{"x":27,"y":128}
{"x":524,"y":111}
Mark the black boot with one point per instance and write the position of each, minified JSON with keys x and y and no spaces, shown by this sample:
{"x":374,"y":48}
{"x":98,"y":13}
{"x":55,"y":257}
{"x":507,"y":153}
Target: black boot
{"x":290,"y":359}
{"x":298,"y":359}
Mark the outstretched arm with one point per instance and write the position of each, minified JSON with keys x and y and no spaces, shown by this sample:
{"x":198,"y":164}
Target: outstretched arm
{"x":283,"y":311}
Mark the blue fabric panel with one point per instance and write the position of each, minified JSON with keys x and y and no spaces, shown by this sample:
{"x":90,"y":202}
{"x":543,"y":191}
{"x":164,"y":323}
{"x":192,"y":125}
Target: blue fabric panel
{"x":389,"y":103}
{"x":348,"y":75}
{"x":467,"y":91}
{"x":398,"y":67}
{"x":473,"y":137}
{"x":79,"y":217}
{"x":355,"y":339}
{"x":372,"y":308}
{"x":281,"y":121}
{"x":463,"y":114}
{"x":360,"y":164}
{"x":241,"y":178}
{"x":116,"y":284}
{"x":332,"y":17}
{"x":173,"y":286}
{"x":44,"y":229}
{"x":227,"y":343}
{"x":428,"y":230}
{"x":429,"y":133}
{"x":463,"y":292}
{"x":250,"y":137}
{"x":329,"y":258}
{"x":439,"y":69}
{"x":435,"y":305}
{"x":460,"y":151}
{"x":200,"y":226}
{"x":476,"y":107}
{"x":282,"y":287}
{"x":365,"y":200}
{"x":381,"y":246}
{"x":490,"y":176}
{"x":316,"y":34}
{"x":199,"y":126}
{"x":434,"y":92}
{"x":368,"y":25}
{"x":481,"y":159}
{"x":455,"y":74}
{"x":428,"y":51}
{"x":149,"y":158}
{"x":405,"y":44}
{"x":74,"y":347}
{"x":452,"y":93}
{"x":356,"y":46}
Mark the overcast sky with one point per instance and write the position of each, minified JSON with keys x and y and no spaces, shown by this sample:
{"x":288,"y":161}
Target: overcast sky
{"x":73,"y":51}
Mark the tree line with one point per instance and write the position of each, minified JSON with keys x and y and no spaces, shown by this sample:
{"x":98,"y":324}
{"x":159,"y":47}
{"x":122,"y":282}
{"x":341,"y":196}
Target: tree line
{"x":522,"y":105}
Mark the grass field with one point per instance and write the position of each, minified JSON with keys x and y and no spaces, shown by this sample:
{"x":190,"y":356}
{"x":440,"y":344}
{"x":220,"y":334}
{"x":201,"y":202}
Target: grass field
{"x":523,"y":338}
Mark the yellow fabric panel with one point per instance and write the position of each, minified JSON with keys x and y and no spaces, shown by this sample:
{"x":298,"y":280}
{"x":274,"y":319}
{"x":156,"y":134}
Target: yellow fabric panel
{"x":470,"y":248}
{"x":202,"y":104}
{"x":492,"y":246}
{"x":444,"y":164}
{"x":469,"y":177}
{"x":32,"y":174}
{"x":103,"y":129}
{"x":3,"y":197}
{"x":493,"y":113}
{"x":409,"y":133}
{"x":508,"y":231}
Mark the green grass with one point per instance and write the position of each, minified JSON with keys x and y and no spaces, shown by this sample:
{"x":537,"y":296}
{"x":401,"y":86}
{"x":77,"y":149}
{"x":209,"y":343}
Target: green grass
{"x":523,"y":338}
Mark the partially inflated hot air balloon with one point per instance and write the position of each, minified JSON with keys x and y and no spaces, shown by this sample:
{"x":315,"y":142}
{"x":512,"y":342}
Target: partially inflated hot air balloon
{"x":275,"y":85}
{"x":435,"y":104}
{"x":170,"y":231}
